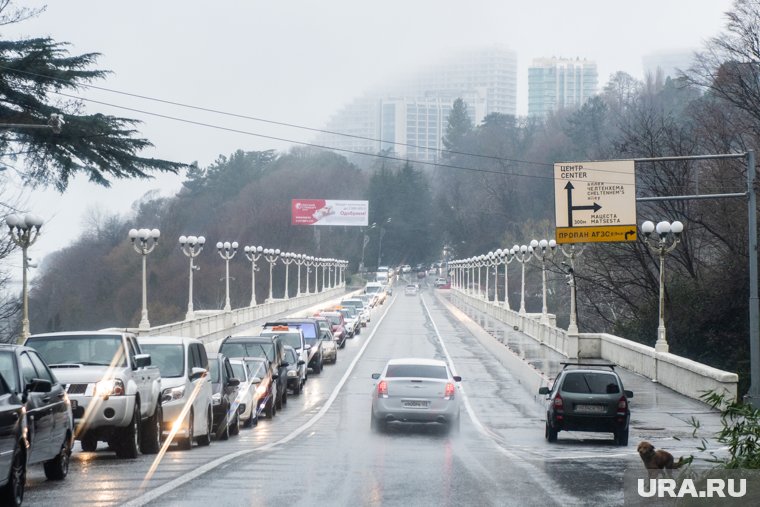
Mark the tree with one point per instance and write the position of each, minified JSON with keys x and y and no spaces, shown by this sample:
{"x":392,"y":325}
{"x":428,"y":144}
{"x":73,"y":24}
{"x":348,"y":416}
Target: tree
{"x":458,"y":129}
{"x":36,"y":75}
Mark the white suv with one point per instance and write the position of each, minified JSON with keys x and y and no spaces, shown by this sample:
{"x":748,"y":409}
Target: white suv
{"x":184,"y":366}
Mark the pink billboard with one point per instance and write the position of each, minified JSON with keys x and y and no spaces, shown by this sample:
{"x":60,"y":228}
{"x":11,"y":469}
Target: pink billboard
{"x":329,"y":212}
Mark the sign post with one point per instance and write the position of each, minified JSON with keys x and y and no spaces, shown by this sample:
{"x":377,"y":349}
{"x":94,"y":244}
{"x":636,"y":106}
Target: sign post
{"x":595,"y":202}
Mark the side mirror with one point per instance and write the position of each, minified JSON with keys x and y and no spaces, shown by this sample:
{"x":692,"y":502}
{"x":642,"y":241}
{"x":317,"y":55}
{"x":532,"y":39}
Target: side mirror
{"x":284,"y":364}
{"x":255,"y":380}
{"x":628,"y":394}
{"x":38,"y":385}
{"x":307,"y":347}
{"x":301,"y":362}
{"x":232,"y":382}
{"x":375,"y":376}
{"x":543,"y":390}
{"x":197,"y":373}
{"x":457,"y":378}
{"x":275,"y":376}
{"x":142,"y":360}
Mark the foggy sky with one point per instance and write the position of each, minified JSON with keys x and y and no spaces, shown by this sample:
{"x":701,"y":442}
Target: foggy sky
{"x":300,"y":61}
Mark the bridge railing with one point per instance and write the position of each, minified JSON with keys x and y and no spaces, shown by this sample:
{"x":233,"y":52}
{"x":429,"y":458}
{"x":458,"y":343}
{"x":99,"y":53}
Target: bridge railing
{"x":683,"y":375}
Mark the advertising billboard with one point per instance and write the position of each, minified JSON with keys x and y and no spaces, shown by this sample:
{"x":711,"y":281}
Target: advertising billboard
{"x":329,"y":212}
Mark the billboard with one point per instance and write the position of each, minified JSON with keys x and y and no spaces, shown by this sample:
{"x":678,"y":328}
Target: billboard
{"x":329,"y":212}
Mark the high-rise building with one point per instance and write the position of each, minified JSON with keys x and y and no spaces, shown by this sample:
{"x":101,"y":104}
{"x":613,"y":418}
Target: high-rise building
{"x":414,"y":110}
{"x":557,"y":83}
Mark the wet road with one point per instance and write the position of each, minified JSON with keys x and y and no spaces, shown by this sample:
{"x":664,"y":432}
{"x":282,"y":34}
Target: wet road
{"x":319,"y":450}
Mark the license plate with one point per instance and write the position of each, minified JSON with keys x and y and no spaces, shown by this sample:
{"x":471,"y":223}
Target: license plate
{"x":415,"y":403}
{"x":591,"y":409}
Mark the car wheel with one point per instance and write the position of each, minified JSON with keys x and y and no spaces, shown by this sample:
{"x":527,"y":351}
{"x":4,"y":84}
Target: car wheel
{"x":550,"y":433}
{"x":58,"y":468}
{"x":297,"y":389}
{"x":269,"y":409}
{"x":285,"y":396}
{"x":151,"y":432}
{"x":129,"y":446}
{"x":278,"y":402}
{"x":621,"y":437}
{"x":89,"y":444}
{"x":205,"y":439}
{"x":13,"y":491}
{"x":187,"y":443}
{"x":235,"y":426}
{"x":223,"y":431}
{"x":318,"y":366}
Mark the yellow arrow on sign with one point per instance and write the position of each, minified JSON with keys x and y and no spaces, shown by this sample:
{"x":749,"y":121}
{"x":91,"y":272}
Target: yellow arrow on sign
{"x":598,"y":234}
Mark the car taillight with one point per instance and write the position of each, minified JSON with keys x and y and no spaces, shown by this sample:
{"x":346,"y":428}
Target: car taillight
{"x":559,"y":404}
{"x":450,"y":390}
{"x":382,"y":388}
{"x":622,"y":404}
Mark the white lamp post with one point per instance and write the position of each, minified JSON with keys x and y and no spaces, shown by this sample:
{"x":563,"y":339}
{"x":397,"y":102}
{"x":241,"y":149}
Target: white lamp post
{"x":523,"y":255}
{"x":144,"y":241}
{"x":227,"y":251}
{"x":480,"y":262}
{"x":24,"y":231}
{"x":308,"y":262}
{"x":271,"y":256}
{"x":288,"y":258}
{"x":253,"y":253}
{"x":572,"y":328}
{"x":300,"y":261}
{"x":544,"y":250}
{"x":487,"y":261}
{"x":506,"y":257}
{"x":669,"y":237}
{"x":191,"y":246}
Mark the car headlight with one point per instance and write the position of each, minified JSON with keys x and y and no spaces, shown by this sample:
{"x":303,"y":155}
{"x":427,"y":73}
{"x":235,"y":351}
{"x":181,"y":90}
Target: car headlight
{"x":261,"y":390}
{"x":172,"y":394}
{"x":216,"y":398}
{"x":292,"y":373}
{"x":109,"y":387}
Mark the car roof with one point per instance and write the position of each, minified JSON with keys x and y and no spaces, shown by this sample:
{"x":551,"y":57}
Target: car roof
{"x":166,"y":340}
{"x":13,"y":346}
{"x":250,"y":339}
{"x":84,"y":333}
{"x":413,"y":360}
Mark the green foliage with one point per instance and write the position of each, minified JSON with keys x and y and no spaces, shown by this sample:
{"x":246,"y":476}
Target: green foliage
{"x":740,"y":432}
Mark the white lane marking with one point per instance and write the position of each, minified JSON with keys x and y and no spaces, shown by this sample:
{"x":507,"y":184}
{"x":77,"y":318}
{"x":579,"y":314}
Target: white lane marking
{"x":179,"y":481}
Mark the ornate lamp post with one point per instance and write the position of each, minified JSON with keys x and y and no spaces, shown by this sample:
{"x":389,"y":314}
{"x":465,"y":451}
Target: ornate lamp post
{"x":487,"y":263}
{"x":288,"y":258}
{"x":300,"y":261}
{"x":253,"y":253}
{"x":147,"y":239}
{"x":271,"y":256}
{"x":572,"y":327}
{"x":308,"y":262}
{"x":669,"y":237}
{"x":324,"y":265}
{"x":523,"y":255}
{"x":191,"y":246}
{"x":541,"y":252}
{"x":227,"y":251}
{"x":481,"y":260}
{"x":496,"y":260}
{"x":506,"y":257}
{"x":24,"y":231}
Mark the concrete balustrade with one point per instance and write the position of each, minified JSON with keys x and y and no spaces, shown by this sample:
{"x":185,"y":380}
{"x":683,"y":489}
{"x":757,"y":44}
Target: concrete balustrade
{"x":684,"y":376}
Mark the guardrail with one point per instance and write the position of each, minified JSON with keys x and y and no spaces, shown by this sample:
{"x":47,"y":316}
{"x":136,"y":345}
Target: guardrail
{"x":683,"y":375}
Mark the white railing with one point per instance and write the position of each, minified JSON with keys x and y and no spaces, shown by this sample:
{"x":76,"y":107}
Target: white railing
{"x":684,"y":376}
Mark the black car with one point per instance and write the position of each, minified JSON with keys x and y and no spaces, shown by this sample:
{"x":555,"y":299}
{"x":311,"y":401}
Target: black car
{"x":269,"y":347}
{"x":587,"y":397}
{"x":311,"y":335}
{"x":50,"y":421}
{"x":294,"y":365}
{"x":13,"y":446}
{"x":224,"y":389}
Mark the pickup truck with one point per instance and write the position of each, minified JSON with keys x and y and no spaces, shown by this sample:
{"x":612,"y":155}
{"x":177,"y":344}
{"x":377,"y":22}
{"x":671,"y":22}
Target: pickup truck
{"x":114,"y":390}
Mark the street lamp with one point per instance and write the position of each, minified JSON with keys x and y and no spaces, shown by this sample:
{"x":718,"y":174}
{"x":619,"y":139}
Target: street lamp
{"x":523,"y":255}
{"x":288,"y":258}
{"x":325,"y":267}
{"x":227,"y":251}
{"x":147,"y":241}
{"x":365,"y":242}
{"x":669,"y":236}
{"x":542,"y":250}
{"x":308,"y":262}
{"x":506,"y":257}
{"x":380,"y":244}
{"x":488,"y":260}
{"x":271,"y":257}
{"x":300,"y":261}
{"x":24,"y":231}
{"x":191,"y":246}
{"x":572,"y":328}
{"x":253,"y":253}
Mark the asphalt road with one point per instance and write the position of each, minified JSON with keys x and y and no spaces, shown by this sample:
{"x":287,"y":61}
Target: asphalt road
{"x":319,"y":449}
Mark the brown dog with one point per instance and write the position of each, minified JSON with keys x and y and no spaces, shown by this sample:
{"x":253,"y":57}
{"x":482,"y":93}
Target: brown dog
{"x":655,"y":461}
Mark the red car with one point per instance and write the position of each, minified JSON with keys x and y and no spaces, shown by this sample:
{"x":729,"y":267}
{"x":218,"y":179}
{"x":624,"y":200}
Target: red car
{"x":338,"y":326}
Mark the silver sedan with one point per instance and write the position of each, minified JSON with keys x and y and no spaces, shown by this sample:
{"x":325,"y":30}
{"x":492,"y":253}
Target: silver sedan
{"x":415,"y":390}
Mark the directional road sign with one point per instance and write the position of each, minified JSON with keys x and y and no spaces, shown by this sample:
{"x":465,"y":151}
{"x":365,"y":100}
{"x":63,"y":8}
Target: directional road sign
{"x":595,"y":201}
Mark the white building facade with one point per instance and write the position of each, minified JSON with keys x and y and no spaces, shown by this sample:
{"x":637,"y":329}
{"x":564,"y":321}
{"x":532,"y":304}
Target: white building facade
{"x":558,"y":83}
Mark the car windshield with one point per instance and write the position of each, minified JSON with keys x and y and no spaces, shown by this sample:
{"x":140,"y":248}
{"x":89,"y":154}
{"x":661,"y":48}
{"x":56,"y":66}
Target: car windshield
{"x":416,"y":370}
{"x":372,"y":290}
{"x":257,"y":368}
{"x":169,"y":358}
{"x":9,"y":371}
{"x":590,"y":383}
{"x":292,"y":339}
{"x":213,"y":370}
{"x":324,"y":324}
{"x":102,"y":350}
{"x":239,"y":370}
{"x":334,"y":319}
{"x":4,"y":387}
{"x":290,"y":356}
{"x":251,"y":349}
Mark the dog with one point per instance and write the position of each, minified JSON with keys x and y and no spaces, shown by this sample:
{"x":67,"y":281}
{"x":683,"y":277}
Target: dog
{"x":657,"y":461}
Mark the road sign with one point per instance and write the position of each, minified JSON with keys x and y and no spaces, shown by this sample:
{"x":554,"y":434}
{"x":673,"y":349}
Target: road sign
{"x":595,"y":201}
